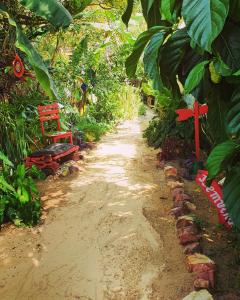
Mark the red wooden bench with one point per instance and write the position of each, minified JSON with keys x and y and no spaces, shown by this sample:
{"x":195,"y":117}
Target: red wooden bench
{"x":51,"y":156}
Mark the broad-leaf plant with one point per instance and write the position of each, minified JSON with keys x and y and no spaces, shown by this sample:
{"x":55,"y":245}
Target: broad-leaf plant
{"x":193,"y":47}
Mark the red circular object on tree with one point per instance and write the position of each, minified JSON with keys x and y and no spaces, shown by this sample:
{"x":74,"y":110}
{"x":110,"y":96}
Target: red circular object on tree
{"x":18,"y":67}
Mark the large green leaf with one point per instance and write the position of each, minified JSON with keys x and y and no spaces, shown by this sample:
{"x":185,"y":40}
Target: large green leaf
{"x":5,"y":186}
{"x":205,"y":20}
{"x":167,"y":7}
{"x":150,"y":59}
{"x":228,"y":46}
{"x":195,"y":76}
{"x":51,"y":10}
{"x":128,"y":12}
{"x":220,"y":156}
{"x":140,"y":44}
{"x":233,"y":116}
{"x":173,"y":52}
{"x":37,"y":64}
{"x":217,"y":110}
{"x":234,"y":11}
{"x":5,"y":160}
{"x":231,"y":194}
{"x":221,"y":68}
{"x":151,"y":12}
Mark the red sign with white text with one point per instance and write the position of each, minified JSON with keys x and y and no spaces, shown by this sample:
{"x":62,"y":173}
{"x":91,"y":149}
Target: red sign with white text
{"x":214,"y":194}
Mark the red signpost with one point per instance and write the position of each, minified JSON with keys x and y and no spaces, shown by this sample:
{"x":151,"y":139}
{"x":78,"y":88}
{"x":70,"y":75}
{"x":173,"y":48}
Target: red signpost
{"x":214,"y":192}
{"x":198,"y":110}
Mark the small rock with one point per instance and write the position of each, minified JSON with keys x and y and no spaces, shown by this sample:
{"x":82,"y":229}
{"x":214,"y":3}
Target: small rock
{"x":64,"y":172}
{"x":192,"y":248}
{"x":183,"y":197}
{"x":200,"y":284}
{"x":185,"y":221}
{"x":190,"y":206}
{"x":203,"y":266}
{"x":74,"y":169}
{"x":170,"y":171}
{"x":188,"y":234}
{"x":177,"y":212}
{"x":200,"y":295}
{"x":176,"y":192}
{"x":175,"y":184}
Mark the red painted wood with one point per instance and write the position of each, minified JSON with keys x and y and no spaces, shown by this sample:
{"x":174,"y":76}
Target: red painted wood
{"x":48,"y":113}
{"x":184,"y":114}
{"x":49,"y":161}
{"x":196,"y":125}
{"x":214,"y":194}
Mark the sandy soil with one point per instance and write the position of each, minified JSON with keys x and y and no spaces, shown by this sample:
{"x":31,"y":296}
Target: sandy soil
{"x":107,"y":233}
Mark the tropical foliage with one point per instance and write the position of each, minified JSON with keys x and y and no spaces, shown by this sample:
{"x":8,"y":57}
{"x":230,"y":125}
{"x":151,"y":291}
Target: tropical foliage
{"x":64,"y":45}
{"x":193,"y":46}
{"x":19,"y":198}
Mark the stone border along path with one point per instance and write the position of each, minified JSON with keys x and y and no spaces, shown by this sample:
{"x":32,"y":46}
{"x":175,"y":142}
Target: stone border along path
{"x":189,"y":236}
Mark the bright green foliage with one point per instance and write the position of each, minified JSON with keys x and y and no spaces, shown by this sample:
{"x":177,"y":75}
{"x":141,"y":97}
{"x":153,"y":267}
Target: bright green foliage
{"x":195,"y":76}
{"x":166,"y":126}
{"x":220,"y":157}
{"x":205,"y":20}
{"x":19,"y":198}
{"x":51,"y":10}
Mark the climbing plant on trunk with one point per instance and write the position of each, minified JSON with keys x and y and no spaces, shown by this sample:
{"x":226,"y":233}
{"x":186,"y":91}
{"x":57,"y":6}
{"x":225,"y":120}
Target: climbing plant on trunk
{"x":196,"y":44}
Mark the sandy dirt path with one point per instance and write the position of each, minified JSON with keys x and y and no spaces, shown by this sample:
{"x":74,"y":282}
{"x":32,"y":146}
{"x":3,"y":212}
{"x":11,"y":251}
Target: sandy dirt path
{"x":107,"y":234}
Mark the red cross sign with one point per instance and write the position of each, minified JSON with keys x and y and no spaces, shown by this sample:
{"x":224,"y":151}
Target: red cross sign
{"x":198,"y":110}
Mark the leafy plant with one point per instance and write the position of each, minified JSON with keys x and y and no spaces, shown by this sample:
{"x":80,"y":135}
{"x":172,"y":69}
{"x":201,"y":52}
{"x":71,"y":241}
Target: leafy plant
{"x":200,"y":55}
{"x":19,"y":198}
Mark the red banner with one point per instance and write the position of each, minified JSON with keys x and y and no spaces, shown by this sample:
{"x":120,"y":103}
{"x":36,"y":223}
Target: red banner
{"x":214,"y":194}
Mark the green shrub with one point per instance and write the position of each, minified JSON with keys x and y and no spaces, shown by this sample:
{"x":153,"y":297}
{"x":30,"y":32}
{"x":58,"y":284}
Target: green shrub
{"x":165,"y":125}
{"x":19,"y":197}
{"x":142,"y":110}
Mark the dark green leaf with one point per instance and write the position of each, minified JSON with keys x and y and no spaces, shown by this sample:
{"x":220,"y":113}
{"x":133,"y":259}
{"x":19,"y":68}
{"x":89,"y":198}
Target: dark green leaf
{"x":217,"y":110}
{"x":128,"y":12}
{"x":151,"y":58}
{"x":231,"y":195}
{"x":140,"y":44}
{"x":219,"y":157}
{"x":205,"y":20}
{"x":173,"y":52}
{"x":234,"y":11}
{"x":233,"y":116}
{"x":228,"y":46}
{"x":51,"y":10}
{"x":195,"y":76}
{"x":151,"y":12}
{"x":221,"y":68}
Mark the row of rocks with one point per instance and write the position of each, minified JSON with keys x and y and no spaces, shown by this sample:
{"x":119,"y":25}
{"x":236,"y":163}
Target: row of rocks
{"x":189,"y":235}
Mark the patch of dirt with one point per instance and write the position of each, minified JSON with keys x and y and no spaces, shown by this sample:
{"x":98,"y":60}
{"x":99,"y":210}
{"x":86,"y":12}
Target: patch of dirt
{"x":105,"y":234}
{"x":220,"y":245}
